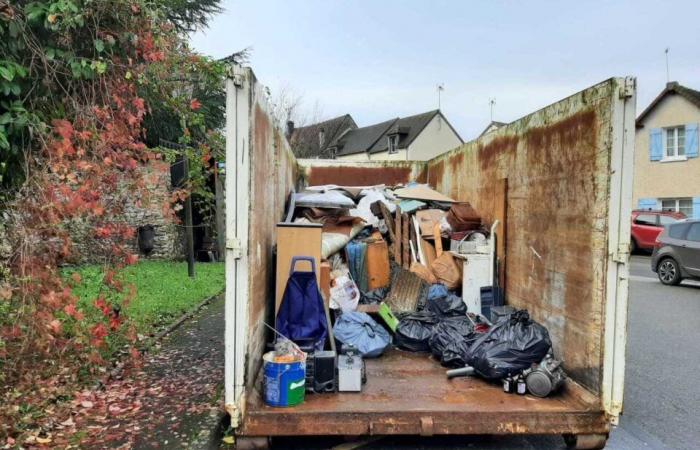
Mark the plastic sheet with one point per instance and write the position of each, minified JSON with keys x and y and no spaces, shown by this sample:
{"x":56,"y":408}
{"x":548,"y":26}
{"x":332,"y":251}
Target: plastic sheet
{"x":510,"y":346}
{"x":414,"y":330}
{"x":362,"y":332}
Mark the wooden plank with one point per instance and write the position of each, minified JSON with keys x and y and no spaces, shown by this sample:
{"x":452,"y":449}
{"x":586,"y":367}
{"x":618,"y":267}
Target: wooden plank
{"x":295,"y":240}
{"x":411,"y":234}
{"x":415,"y":238}
{"x":500,"y":209}
{"x":398,"y":242}
{"x":426,"y":219}
{"x":378,"y":270}
{"x":388,"y":220}
{"x":438,"y":240}
{"x":429,"y":252}
{"x":325,"y":285}
{"x":405,"y":239}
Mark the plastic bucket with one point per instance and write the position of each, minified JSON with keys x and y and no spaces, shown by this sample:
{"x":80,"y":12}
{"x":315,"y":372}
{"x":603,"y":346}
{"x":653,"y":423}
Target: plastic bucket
{"x":284,"y":382}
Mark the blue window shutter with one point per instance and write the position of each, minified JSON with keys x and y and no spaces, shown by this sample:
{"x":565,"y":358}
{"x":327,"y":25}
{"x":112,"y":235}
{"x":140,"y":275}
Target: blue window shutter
{"x":656,"y":144}
{"x":691,"y":140}
{"x":646,"y":203}
{"x":696,"y":207}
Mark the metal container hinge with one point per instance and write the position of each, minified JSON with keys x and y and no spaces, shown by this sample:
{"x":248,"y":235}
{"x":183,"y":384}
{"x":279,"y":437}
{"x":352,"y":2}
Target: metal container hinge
{"x":627,"y":90}
{"x":234,"y":244}
{"x":622,"y":255}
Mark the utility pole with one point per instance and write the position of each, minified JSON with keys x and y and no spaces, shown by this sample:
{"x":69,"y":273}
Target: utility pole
{"x":440,"y":88}
{"x":668,"y":72}
{"x":189,"y":230}
{"x":492,"y":103}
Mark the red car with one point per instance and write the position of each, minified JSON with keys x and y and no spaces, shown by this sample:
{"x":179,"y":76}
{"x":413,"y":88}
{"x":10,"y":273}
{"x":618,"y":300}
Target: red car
{"x":646,"y":226}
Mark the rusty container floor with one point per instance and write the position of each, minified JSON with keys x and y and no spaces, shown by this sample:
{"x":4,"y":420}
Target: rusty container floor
{"x":408,"y":393}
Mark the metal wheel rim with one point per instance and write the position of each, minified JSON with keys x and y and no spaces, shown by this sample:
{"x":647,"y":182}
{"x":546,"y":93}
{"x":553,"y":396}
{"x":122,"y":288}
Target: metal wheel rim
{"x":667,"y":271}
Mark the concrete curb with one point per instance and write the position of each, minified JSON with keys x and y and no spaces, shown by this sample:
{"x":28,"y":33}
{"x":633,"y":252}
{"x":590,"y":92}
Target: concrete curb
{"x":212,"y":440}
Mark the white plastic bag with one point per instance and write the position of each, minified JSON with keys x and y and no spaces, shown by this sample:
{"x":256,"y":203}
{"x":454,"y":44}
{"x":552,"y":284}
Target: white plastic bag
{"x":344,"y":295}
{"x":363,"y":207}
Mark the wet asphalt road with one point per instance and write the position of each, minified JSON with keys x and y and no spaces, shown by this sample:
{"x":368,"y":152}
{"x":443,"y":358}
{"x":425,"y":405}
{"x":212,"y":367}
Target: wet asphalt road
{"x":662,"y":386}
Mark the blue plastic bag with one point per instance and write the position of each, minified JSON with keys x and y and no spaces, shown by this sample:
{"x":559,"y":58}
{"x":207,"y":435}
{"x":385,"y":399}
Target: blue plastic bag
{"x":362,"y":332}
{"x":437,"y":290}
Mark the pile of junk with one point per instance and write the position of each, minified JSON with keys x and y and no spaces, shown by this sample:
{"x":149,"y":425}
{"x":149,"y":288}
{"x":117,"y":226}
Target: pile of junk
{"x":361,"y":270}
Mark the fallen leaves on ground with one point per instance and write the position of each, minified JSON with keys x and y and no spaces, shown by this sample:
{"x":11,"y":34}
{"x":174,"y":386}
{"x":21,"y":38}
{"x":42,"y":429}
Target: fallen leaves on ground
{"x":147,"y":405}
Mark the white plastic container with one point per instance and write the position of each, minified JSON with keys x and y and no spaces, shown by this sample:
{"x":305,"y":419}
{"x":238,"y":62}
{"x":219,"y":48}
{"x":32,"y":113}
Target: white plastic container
{"x":476,"y":274}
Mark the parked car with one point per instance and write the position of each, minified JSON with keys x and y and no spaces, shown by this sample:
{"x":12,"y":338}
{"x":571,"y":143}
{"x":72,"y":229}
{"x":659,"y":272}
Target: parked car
{"x":647,"y":225}
{"x":677,"y":252}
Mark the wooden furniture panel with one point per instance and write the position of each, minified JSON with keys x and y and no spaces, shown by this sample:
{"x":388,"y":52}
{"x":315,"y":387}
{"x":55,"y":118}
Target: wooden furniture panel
{"x":295,"y":240}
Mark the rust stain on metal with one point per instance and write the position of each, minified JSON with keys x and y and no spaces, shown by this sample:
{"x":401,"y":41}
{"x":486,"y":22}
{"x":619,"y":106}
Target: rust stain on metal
{"x":553,"y":171}
{"x":359,"y":176}
{"x":262,"y":200}
{"x":456,"y":160}
{"x":565,"y":133}
{"x":435,"y":172}
{"x":422,"y":176}
{"x":497,"y":148}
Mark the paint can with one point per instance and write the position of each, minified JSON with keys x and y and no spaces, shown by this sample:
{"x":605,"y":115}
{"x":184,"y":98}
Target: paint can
{"x":284,"y":382}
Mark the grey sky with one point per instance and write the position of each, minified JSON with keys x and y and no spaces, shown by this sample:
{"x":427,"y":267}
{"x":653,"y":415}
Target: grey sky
{"x":381,"y":59}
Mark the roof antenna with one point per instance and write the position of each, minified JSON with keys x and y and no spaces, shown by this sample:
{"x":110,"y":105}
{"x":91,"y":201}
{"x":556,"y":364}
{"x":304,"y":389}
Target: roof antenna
{"x":440,"y":88}
{"x":668,"y":73}
{"x":492,"y":103}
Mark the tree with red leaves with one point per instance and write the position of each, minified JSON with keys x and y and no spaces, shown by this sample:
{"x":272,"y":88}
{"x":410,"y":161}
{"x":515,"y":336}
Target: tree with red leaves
{"x":78,"y":79}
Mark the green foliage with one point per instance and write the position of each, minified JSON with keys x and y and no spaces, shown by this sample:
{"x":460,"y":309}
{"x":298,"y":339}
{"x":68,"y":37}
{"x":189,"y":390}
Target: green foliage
{"x":163,"y":290}
{"x":54,"y":54}
{"x":190,"y":15}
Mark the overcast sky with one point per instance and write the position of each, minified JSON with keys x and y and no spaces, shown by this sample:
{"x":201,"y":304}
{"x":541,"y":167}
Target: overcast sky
{"x":382,"y":59}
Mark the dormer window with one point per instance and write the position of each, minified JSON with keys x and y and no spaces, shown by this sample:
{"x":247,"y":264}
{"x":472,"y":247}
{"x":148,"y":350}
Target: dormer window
{"x":393,"y":144}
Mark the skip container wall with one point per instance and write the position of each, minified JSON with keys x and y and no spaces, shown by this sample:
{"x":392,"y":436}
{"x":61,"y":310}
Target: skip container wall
{"x":559,"y":180}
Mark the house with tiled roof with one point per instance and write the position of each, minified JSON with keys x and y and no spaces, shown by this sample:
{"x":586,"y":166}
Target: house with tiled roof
{"x":312,"y":141}
{"x":493,"y":126}
{"x":666,"y":166}
{"x":416,"y":138}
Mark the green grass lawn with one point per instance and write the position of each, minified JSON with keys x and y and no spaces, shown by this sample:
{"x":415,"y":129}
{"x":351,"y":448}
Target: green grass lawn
{"x":163,"y":290}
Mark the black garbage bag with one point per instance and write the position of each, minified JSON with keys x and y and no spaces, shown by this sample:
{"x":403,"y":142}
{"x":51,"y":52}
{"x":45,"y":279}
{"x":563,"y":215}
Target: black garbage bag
{"x":451,"y":339}
{"x":374,"y":296}
{"x":414,"y":330}
{"x":510,"y":346}
{"x":447,"y":305}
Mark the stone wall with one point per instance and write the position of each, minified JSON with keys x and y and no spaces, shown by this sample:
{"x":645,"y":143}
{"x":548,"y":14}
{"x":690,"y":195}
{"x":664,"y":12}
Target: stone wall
{"x":140,"y":210}
{"x":5,"y":247}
